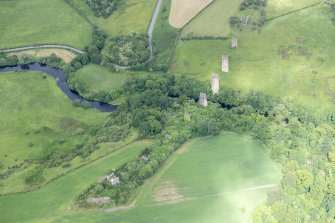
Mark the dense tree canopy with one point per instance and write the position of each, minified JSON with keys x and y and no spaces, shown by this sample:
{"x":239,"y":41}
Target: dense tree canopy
{"x":102,"y":8}
{"x":299,"y":139}
{"x":129,"y":50}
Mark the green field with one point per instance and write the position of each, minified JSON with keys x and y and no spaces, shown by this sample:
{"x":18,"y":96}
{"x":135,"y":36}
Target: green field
{"x":45,"y":204}
{"x":131,"y":16}
{"x":213,"y":21}
{"x":217,"y":177}
{"x":28,"y":22}
{"x":287,"y":58}
{"x":276,"y":8}
{"x":99,"y":78}
{"x":34,"y":114}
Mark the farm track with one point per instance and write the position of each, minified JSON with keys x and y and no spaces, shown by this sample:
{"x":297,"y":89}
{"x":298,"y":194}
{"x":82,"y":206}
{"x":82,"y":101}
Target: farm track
{"x":46,"y":46}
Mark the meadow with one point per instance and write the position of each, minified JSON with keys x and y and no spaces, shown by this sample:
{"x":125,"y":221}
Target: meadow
{"x":36,"y":117}
{"x":285,"y":58}
{"x":228,"y":172}
{"x":56,"y":197}
{"x":32,"y":22}
{"x":99,"y":78}
{"x":131,"y":16}
{"x":213,"y":21}
{"x":277,"y":8}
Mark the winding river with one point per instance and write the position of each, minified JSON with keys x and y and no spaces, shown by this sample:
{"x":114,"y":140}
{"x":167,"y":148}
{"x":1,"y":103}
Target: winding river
{"x":59,"y":76}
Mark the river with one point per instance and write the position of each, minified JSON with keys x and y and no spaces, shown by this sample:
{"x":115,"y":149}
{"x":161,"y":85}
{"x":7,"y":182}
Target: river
{"x":59,"y":76}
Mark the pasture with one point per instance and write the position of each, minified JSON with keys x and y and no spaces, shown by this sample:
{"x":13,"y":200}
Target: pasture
{"x":277,"y":8}
{"x":213,"y":21}
{"x":216,"y":178}
{"x":36,"y":116}
{"x":131,"y":16}
{"x":286,"y":58}
{"x":99,"y":78}
{"x":32,"y":22}
{"x":182,"y":11}
{"x":55,"y":198}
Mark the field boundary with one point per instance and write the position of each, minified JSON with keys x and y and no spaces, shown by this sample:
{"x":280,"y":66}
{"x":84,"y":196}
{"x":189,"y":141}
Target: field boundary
{"x":79,"y":12}
{"x":294,"y":11}
{"x":199,"y":13}
{"x":72,"y":170}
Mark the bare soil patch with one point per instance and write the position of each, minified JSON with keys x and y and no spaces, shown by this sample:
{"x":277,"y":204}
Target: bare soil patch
{"x":65,"y":55}
{"x":182,"y":11}
{"x":168,"y":193}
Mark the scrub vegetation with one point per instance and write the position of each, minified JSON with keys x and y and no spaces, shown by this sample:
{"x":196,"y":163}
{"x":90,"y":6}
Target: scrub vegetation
{"x":129,"y":50}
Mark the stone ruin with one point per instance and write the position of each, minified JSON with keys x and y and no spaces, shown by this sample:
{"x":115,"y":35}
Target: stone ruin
{"x":234,"y":43}
{"x":98,"y":200}
{"x":187,"y":117}
{"x":114,"y":180}
{"x":244,"y":20}
{"x":215,"y":83}
{"x":225,"y":63}
{"x":203,"y":99}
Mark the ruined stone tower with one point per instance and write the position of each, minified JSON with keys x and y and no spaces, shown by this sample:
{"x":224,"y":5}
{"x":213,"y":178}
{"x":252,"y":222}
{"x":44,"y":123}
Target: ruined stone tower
{"x":234,"y":43}
{"x":225,"y":63}
{"x":215,"y":84}
{"x":203,"y":99}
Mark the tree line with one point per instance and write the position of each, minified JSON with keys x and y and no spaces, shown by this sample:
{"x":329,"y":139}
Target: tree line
{"x":300,"y":139}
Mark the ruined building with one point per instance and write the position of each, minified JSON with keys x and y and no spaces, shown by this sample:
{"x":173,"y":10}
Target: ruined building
{"x":215,"y":84}
{"x":203,"y":99}
{"x":225,"y":63}
{"x":244,"y":20}
{"x":234,"y":43}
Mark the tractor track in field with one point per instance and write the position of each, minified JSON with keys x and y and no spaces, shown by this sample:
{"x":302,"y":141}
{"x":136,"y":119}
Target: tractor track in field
{"x":261,"y":187}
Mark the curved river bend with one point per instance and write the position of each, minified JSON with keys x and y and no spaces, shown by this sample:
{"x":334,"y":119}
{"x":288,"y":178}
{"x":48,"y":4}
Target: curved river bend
{"x":59,"y":76}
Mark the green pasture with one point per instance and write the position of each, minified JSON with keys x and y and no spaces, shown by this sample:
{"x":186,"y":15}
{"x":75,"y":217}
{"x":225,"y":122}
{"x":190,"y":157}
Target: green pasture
{"x":99,"y":78}
{"x":29,"y":22}
{"x":54,"y":199}
{"x":213,"y":21}
{"x":131,"y":16}
{"x":290,"y":57}
{"x":218,"y":177}
{"x":34,"y":115}
{"x":275,"y":8}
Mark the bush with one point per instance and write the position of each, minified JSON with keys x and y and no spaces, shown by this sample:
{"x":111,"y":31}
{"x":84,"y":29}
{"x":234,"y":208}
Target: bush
{"x":102,"y":8}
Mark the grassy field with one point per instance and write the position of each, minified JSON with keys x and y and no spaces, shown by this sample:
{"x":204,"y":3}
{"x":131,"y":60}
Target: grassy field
{"x":213,"y":21}
{"x":217,"y":178}
{"x":35,"y":116}
{"x":276,"y":8}
{"x":182,"y":11}
{"x":99,"y":78}
{"x":46,"y":203}
{"x":27,"y":22}
{"x":130,"y":16}
{"x":287,"y":58}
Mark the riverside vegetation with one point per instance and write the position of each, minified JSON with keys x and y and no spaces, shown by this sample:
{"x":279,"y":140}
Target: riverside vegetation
{"x":297,"y":138}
